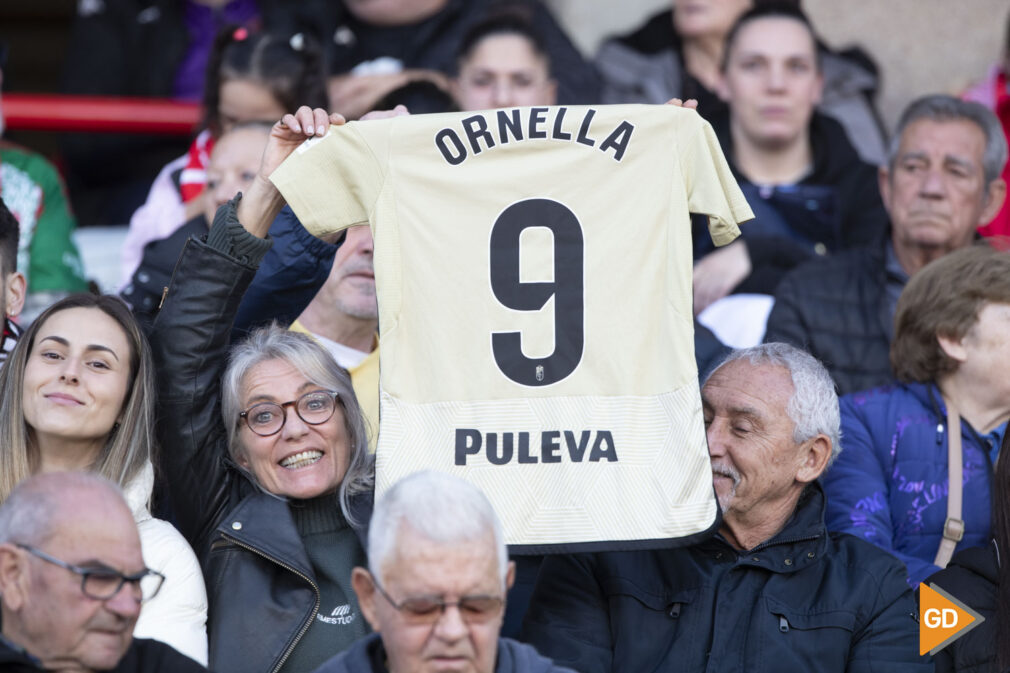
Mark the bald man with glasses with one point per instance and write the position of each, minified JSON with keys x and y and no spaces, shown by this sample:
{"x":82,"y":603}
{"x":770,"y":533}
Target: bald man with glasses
{"x":434,"y":591}
{"x":73,"y":580}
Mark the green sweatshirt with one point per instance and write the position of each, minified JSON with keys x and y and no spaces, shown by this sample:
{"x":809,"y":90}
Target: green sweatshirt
{"x":33,"y":191}
{"x":334,"y":549}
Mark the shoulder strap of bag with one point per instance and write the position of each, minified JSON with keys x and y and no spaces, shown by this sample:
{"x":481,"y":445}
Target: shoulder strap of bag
{"x":953,"y":527}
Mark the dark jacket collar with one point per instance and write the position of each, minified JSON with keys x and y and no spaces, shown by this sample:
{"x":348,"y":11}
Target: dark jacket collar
{"x":801,"y":542}
{"x":14,"y":657}
{"x":807,"y":521}
{"x":263,"y":522}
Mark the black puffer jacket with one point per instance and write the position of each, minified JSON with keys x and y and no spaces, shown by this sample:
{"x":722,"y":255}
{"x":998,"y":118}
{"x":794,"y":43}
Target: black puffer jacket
{"x":972,"y":577}
{"x":837,"y":309}
{"x":260,"y":582}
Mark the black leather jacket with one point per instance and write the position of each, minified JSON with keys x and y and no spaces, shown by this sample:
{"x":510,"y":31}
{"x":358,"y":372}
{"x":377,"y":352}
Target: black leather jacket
{"x":260,"y":583}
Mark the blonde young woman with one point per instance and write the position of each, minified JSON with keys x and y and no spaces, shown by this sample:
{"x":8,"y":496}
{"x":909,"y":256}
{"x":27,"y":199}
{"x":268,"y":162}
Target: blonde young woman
{"x":77,"y":393}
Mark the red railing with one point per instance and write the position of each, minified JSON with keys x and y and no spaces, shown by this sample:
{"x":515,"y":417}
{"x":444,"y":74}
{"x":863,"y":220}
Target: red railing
{"x":50,"y":112}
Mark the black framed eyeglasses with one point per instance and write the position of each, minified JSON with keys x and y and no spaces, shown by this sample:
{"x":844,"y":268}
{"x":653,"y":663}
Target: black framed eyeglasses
{"x":429,"y":609}
{"x":104,"y":583}
{"x":267,"y":418}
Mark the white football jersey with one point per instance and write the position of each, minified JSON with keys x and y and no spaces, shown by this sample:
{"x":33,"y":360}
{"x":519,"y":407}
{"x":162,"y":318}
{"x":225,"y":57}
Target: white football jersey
{"x":533,"y":271}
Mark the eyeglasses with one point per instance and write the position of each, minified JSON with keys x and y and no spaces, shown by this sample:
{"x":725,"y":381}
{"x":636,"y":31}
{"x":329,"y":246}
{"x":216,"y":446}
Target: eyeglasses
{"x":104,"y":583}
{"x":429,"y":609}
{"x":267,"y":418}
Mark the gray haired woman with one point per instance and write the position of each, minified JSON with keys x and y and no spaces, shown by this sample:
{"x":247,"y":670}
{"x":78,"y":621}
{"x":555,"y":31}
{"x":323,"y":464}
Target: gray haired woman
{"x":267,"y":465}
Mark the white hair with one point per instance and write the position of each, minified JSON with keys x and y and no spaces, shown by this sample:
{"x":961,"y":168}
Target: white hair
{"x":813,"y":407}
{"x":438,"y":507}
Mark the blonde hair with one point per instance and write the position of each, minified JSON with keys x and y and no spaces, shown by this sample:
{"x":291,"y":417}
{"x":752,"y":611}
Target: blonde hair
{"x":130,"y":443}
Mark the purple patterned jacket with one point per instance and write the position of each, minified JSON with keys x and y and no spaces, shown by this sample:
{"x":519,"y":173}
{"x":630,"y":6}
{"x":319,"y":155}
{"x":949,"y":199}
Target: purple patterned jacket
{"x":889,"y":484}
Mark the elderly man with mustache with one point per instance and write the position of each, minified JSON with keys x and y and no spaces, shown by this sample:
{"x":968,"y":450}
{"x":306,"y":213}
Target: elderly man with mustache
{"x":773,"y":590}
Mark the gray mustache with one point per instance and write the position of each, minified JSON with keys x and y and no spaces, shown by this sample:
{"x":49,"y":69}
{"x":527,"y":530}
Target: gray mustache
{"x":726,"y":471}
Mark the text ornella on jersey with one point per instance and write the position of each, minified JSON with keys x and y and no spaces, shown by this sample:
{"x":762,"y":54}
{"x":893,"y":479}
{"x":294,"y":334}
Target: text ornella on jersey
{"x":528,"y":124}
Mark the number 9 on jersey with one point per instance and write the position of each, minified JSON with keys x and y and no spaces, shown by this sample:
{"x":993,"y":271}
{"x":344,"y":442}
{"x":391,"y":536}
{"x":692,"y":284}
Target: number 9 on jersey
{"x":567,"y":288}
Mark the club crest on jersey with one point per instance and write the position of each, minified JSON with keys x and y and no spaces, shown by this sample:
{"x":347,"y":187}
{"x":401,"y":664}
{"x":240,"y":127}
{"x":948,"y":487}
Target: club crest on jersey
{"x":486,"y":130}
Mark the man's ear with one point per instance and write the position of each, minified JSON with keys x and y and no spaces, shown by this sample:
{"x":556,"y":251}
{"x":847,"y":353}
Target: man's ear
{"x":995,"y":194}
{"x":953,"y":348}
{"x":15,"y":289}
{"x":510,"y":575}
{"x":13,"y":577}
{"x":364,"y":589}
{"x":814,"y":458}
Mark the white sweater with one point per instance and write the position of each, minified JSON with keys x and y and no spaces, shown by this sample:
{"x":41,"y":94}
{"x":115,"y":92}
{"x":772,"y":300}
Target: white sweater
{"x":177,"y":616}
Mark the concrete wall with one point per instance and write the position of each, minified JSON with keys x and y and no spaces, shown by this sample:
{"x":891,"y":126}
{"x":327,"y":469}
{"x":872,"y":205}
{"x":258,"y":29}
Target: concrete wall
{"x":921,"y":46}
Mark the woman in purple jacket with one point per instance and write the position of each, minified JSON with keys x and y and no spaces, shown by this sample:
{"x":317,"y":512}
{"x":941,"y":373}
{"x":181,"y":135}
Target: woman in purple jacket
{"x":951,"y":354}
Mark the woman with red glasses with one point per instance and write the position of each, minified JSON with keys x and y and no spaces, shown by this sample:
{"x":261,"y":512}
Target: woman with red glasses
{"x":267,"y":463}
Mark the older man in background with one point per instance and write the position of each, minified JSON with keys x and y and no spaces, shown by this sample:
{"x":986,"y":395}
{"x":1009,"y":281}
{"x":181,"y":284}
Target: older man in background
{"x":942,"y":181}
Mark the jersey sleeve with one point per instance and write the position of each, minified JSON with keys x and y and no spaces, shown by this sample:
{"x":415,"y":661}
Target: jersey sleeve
{"x":333,"y":182}
{"x":711,"y":187}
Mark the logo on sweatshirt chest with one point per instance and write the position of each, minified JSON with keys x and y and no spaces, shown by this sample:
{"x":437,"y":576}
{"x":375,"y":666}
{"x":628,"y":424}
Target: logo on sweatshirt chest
{"x":342,"y":615}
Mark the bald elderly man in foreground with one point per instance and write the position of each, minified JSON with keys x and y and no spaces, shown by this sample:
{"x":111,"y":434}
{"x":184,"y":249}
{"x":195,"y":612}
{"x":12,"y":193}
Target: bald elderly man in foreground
{"x":72,"y":581}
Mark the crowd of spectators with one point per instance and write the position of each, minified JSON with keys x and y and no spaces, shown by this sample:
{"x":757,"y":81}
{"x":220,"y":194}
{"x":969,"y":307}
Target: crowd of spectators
{"x":202,"y":444}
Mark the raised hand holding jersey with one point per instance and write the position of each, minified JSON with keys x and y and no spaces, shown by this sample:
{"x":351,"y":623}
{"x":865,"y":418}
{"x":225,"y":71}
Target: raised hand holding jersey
{"x":533,"y":270}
